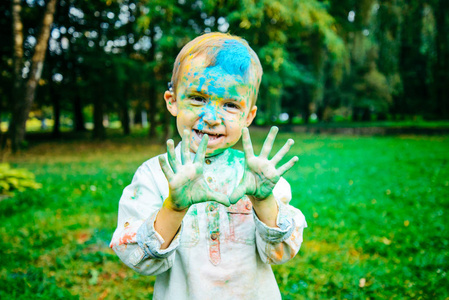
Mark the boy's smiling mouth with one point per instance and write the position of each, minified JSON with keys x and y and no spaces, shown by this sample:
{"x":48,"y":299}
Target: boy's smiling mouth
{"x":212,"y":136}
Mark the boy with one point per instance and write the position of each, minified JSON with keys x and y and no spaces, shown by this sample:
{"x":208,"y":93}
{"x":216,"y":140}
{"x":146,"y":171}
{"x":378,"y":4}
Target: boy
{"x":205,"y":218}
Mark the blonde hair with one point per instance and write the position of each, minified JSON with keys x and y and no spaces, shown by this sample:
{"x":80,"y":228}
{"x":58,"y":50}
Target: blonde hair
{"x":209,"y":45}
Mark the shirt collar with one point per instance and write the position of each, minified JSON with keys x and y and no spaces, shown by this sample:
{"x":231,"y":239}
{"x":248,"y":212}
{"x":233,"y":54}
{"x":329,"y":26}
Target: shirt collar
{"x":220,"y":157}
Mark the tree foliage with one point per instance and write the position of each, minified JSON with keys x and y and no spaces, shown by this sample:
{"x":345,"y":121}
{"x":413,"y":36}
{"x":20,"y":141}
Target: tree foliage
{"x":386,"y":59}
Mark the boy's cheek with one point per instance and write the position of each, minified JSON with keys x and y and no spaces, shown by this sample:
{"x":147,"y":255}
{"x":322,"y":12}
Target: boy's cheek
{"x":187,"y":113}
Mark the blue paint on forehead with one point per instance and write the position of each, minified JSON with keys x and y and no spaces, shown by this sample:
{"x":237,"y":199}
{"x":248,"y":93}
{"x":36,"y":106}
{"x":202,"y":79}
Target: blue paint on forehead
{"x":202,"y":80}
{"x":234,"y":58}
{"x":218,"y":91}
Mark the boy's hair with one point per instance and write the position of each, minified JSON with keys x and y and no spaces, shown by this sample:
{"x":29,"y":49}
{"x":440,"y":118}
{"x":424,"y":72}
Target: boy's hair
{"x":231,"y":52}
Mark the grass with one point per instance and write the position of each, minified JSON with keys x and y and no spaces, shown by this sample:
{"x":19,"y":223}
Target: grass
{"x":376,"y":209}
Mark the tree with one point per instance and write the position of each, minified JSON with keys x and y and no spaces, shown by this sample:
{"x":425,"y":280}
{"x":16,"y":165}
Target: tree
{"x":24,"y":89}
{"x":5,"y":61}
{"x":295,"y":40}
{"x":441,"y":67}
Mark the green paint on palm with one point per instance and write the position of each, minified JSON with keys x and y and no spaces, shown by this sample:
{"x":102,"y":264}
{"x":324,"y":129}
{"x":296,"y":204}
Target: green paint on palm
{"x":186,"y":181}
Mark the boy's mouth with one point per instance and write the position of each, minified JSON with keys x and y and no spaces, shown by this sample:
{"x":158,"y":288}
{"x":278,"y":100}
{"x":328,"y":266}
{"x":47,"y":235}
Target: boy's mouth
{"x":212,"y":136}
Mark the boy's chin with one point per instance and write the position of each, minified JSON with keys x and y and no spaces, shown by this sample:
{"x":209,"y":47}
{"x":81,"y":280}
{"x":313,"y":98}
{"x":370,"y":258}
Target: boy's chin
{"x":210,"y":151}
{"x":213,"y":152}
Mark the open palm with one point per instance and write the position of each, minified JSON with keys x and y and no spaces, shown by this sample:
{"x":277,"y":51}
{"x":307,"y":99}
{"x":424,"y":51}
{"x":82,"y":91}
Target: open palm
{"x":185,"y":179}
{"x":260,"y":174}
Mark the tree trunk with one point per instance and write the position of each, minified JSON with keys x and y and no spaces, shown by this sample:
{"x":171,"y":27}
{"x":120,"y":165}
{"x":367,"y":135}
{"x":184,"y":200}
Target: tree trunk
{"x":25,"y":90}
{"x":413,"y":64}
{"x":137,"y":120}
{"x":153,"y":91}
{"x":124,"y":111}
{"x":16,"y":132}
{"x":56,"y":111}
{"x":305,"y":112}
{"x":99,"y":131}
{"x":442,"y":63}
{"x":125,"y":120}
{"x":152,"y":111}
{"x":78,"y":117}
{"x":319,"y":58}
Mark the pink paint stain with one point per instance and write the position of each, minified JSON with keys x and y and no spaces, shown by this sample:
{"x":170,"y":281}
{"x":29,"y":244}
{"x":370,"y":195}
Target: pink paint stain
{"x":128,"y":237}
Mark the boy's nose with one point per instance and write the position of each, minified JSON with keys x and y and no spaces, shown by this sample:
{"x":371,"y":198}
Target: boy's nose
{"x":210,"y":117}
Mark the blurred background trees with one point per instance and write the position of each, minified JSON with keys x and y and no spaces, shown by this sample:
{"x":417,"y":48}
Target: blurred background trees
{"x":108,"y":61}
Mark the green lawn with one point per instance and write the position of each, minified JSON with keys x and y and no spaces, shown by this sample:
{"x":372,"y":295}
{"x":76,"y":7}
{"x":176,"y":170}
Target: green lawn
{"x":376,"y":209}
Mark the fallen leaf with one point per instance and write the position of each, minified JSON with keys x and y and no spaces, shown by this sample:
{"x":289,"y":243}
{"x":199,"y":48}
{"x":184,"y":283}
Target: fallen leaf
{"x":386,"y":241}
{"x":362,"y":282}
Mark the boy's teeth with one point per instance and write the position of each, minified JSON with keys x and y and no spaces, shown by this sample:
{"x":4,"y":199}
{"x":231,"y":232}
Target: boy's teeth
{"x":211,"y":135}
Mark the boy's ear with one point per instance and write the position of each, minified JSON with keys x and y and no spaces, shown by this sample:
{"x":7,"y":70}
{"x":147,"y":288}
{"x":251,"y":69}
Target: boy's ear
{"x":251,"y":115}
{"x":171,"y":103}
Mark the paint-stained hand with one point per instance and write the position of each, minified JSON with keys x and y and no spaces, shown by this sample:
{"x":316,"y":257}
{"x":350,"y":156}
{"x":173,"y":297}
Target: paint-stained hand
{"x":261,"y":175}
{"x":185,"y":179}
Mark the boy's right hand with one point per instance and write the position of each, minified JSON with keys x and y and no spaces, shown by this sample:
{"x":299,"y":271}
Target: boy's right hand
{"x":185,"y":179}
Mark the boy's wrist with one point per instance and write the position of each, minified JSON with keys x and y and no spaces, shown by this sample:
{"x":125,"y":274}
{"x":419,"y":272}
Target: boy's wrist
{"x":253,"y":198}
{"x":262,"y":202}
{"x":167,"y":224}
{"x":266,"y":209}
{"x":171,"y":205}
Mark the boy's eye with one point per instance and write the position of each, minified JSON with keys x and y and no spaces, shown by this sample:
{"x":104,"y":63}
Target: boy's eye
{"x":231,"y":105}
{"x":197,"y":99}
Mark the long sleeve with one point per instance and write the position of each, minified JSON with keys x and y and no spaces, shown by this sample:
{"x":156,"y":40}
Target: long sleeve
{"x":278,"y":245}
{"x":135,"y":240}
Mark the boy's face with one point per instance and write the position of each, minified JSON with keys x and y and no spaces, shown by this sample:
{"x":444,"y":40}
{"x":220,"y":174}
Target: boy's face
{"x":211,"y":101}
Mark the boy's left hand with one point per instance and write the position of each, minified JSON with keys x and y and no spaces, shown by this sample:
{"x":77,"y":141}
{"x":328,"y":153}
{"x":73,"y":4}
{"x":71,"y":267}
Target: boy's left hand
{"x":260,"y":174}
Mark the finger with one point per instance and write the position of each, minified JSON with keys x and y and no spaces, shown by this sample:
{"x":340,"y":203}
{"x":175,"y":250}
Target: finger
{"x":268,"y":144}
{"x":211,"y":195}
{"x":287,"y":166}
{"x":202,"y":147}
{"x":185,"y":147}
{"x":247,"y":145}
{"x":171,"y":155}
{"x":237,"y":194}
{"x":165,"y":167}
{"x":281,"y":153}
{"x":220,"y":198}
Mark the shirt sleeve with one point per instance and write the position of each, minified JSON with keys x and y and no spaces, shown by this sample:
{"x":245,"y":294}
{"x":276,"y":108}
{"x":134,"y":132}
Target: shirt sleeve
{"x":135,"y":240}
{"x":278,"y":245}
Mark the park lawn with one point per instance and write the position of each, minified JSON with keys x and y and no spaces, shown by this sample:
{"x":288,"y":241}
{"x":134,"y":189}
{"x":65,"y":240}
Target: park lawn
{"x":376,"y":208}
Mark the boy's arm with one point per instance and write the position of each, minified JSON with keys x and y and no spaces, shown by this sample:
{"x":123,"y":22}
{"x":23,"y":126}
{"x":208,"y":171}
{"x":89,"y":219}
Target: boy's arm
{"x":135,"y":240}
{"x":279,"y":227}
{"x":280,"y":244}
{"x":266,"y":210}
{"x":261,"y":175}
{"x":168,"y":223}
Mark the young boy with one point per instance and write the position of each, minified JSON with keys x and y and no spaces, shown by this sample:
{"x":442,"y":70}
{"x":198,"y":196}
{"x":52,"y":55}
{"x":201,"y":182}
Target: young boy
{"x":205,"y":218}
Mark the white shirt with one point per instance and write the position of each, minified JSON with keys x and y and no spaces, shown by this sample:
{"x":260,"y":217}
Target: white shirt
{"x":220,"y":252}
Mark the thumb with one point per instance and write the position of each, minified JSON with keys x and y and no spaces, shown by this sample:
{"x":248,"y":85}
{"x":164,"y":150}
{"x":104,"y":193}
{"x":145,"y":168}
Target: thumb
{"x":218,"y":197}
{"x":238,"y":193}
